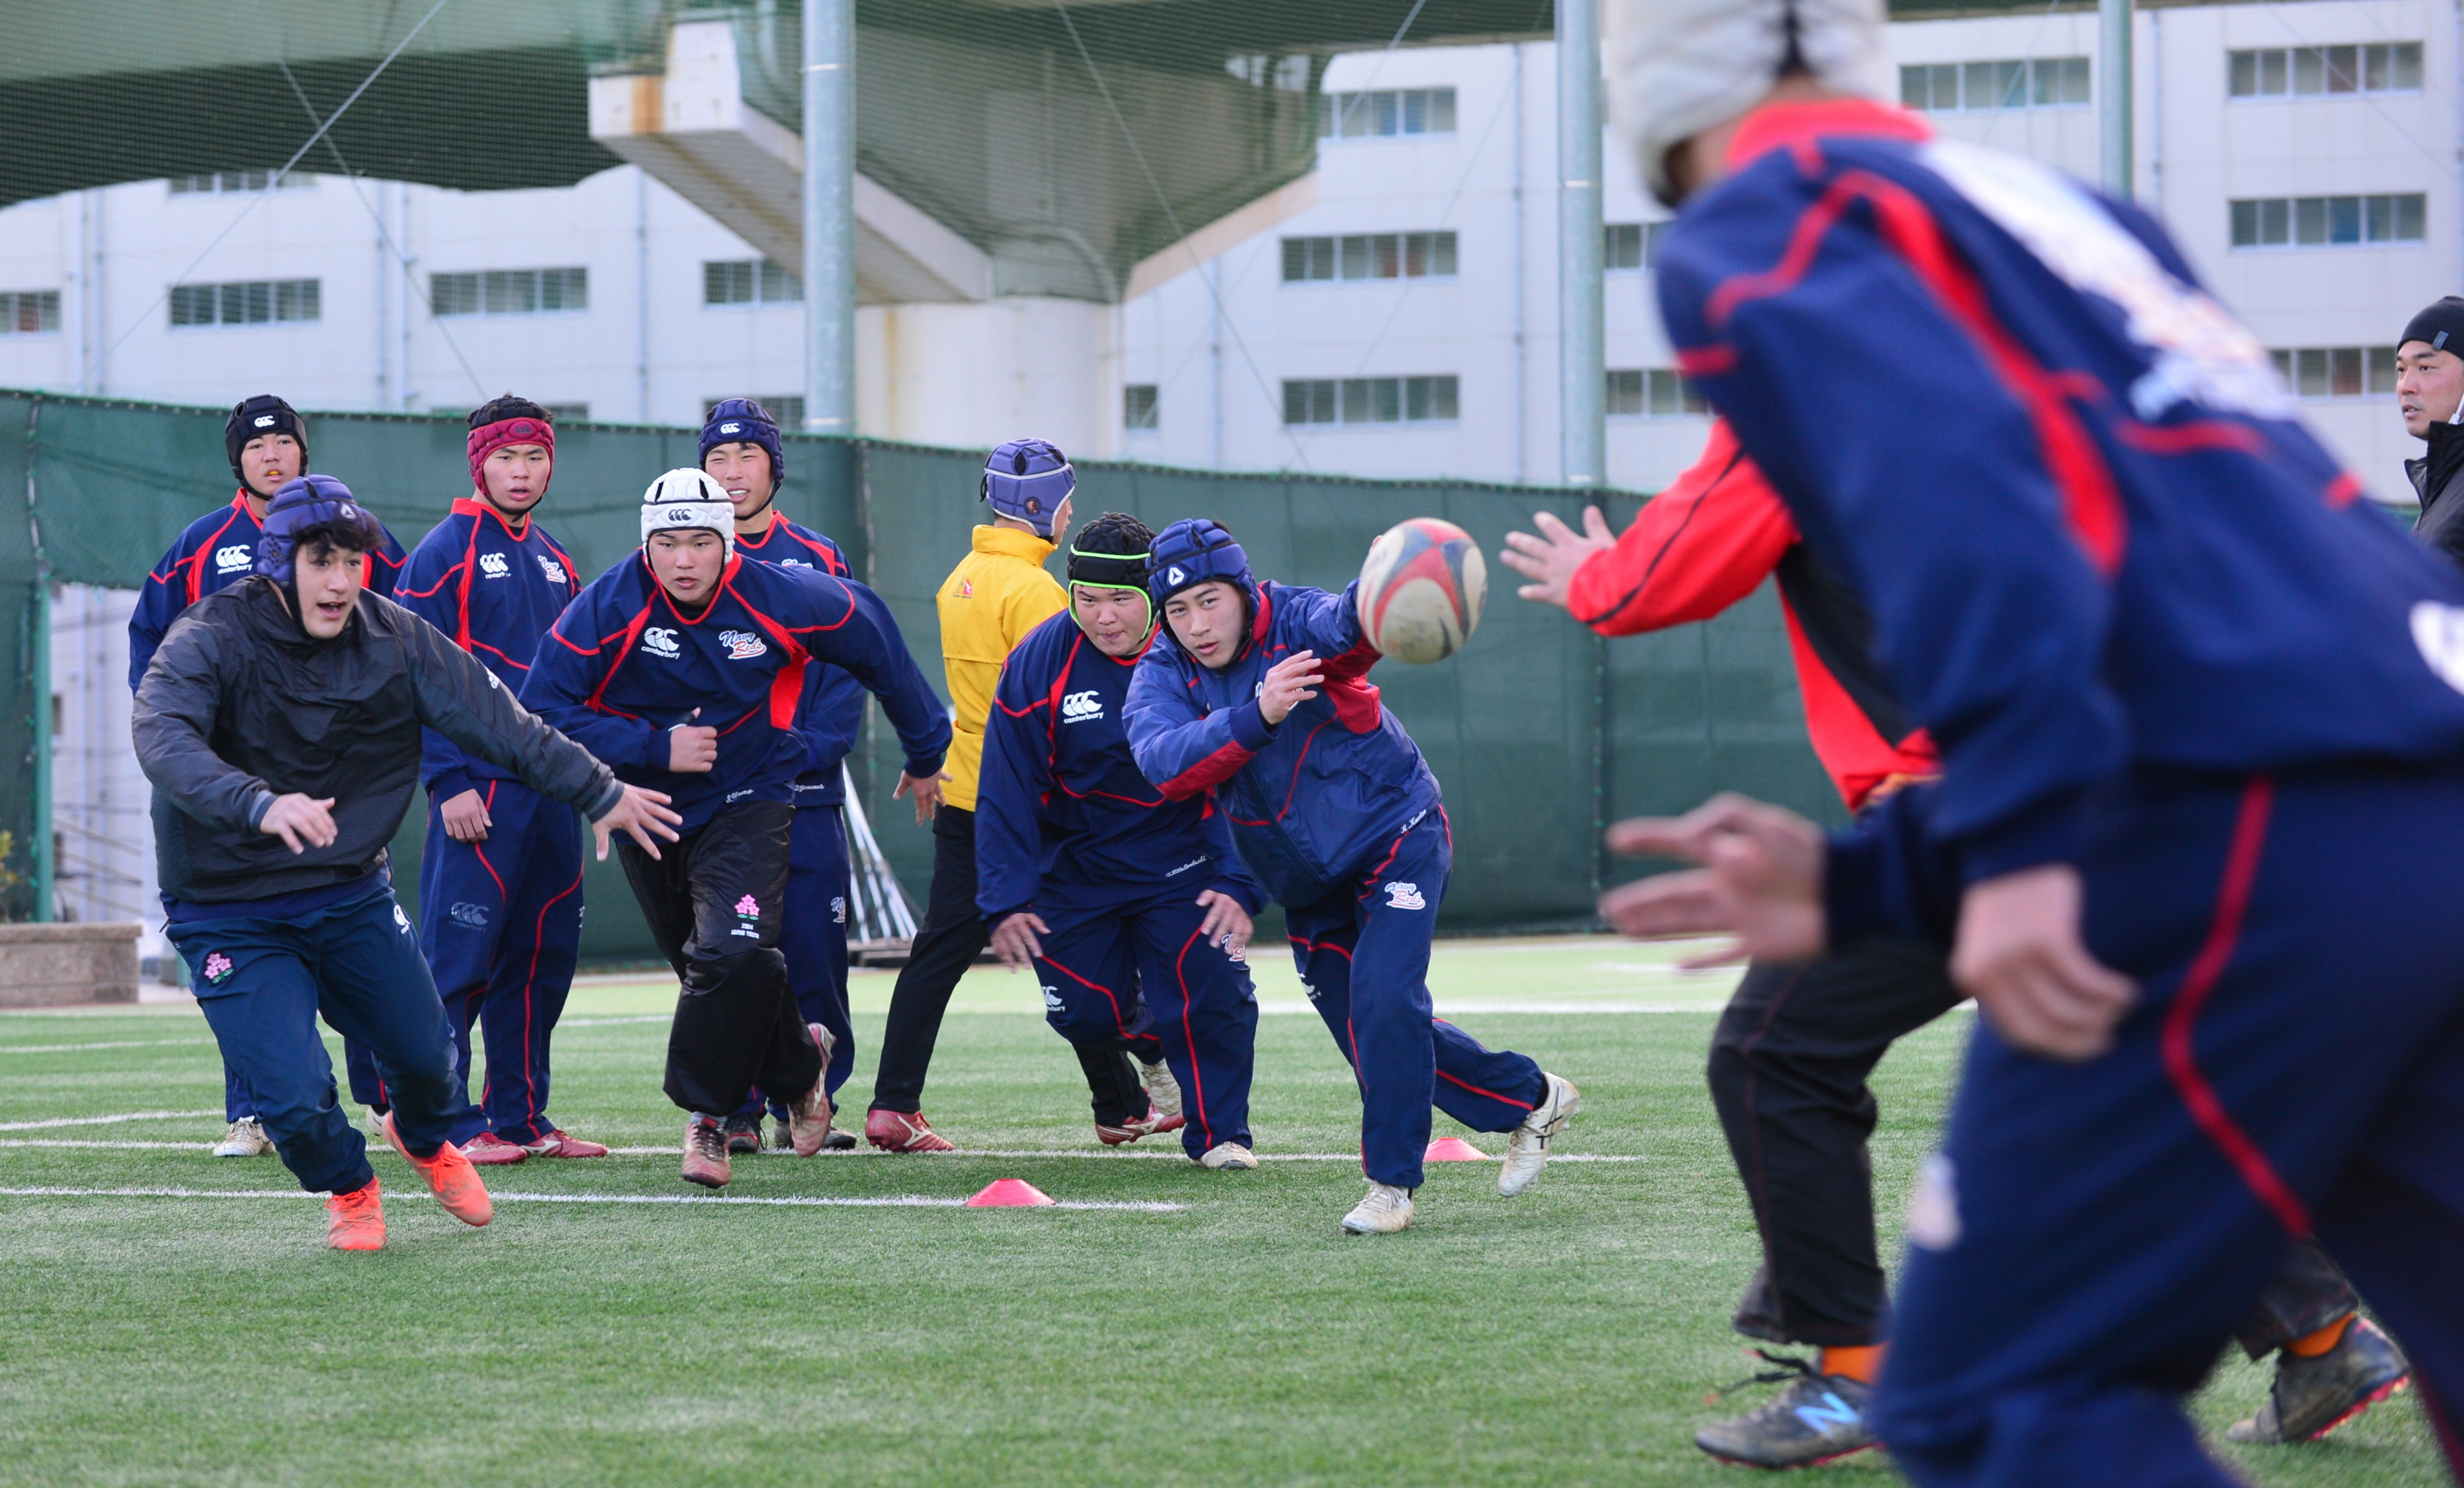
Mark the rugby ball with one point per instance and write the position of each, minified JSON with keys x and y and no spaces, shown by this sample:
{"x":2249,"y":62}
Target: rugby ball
{"x":1421,"y":590}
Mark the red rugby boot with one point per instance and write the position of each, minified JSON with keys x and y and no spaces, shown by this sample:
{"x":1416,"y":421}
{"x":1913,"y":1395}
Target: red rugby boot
{"x":450,"y":1176}
{"x":1146,"y":1126}
{"x":903,"y":1132}
{"x":488,"y":1149}
{"x":561,"y":1144}
{"x":706,"y":1148}
{"x":356,"y":1220}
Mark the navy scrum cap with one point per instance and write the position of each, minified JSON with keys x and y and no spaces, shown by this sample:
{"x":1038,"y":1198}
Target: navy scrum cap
{"x":1193,"y":551}
{"x":1027,"y":480}
{"x":741,"y":419}
{"x":257,"y":417}
{"x":305,"y":502}
{"x":2441,"y":327}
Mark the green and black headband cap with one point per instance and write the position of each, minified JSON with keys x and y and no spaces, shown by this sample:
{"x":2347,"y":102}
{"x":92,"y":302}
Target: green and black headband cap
{"x":1123,"y":571}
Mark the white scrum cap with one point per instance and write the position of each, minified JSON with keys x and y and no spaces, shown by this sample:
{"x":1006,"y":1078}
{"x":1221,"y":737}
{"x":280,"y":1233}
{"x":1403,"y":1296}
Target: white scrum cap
{"x":687,"y":498}
{"x":1679,"y":67}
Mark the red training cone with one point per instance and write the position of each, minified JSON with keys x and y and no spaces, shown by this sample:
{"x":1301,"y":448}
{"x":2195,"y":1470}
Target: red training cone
{"x":1009,"y":1193}
{"x":1452,"y":1149}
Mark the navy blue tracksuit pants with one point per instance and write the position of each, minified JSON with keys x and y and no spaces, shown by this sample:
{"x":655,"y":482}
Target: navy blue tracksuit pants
{"x":1363,"y":953}
{"x":2091,"y":1233}
{"x":262,"y":984}
{"x":814,"y":939}
{"x":500,"y":922}
{"x":1198,"y":1002}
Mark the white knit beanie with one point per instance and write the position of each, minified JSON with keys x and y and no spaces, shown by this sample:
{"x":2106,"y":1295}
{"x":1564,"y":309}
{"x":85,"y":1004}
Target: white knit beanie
{"x":1679,"y":67}
{"x":687,"y":498}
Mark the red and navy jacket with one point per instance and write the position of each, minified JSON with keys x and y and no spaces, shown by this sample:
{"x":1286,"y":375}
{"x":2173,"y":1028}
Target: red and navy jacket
{"x":2074,"y":491}
{"x":1315,"y":800}
{"x":832,"y":714}
{"x":1708,"y":541}
{"x":494,"y":586}
{"x":216,"y":551}
{"x":625,"y":663}
{"x":1062,"y":815}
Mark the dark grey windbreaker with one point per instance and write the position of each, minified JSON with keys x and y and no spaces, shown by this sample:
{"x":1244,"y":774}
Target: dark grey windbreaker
{"x":241,"y":705}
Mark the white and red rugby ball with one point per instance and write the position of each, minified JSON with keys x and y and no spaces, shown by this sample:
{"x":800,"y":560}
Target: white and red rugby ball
{"x":1421,"y":590}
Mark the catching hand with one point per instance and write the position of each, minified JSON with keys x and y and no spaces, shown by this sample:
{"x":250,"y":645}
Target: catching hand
{"x":691,"y":749}
{"x":1286,"y":685}
{"x":1014,"y":939}
{"x":926,"y":791}
{"x":2020,"y":956}
{"x":1551,"y":560}
{"x":465,"y":817}
{"x":301,"y":821}
{"x":1226,"y":923}
{"x":639,"y":815}
{"x":1761,"y":880}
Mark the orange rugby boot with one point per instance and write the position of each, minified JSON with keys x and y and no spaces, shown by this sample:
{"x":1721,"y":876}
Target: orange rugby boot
{"x":355,"y":1221}
{"x":450,"y":1176}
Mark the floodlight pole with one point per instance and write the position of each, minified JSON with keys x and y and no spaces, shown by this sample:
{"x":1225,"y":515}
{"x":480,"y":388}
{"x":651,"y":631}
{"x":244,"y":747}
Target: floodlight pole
{"x":2113,"y":97}
{"x":1582,"y":353}
{"x":829,"y":216}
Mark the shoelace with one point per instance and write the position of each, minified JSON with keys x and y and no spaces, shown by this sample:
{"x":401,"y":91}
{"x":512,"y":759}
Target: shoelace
{"x":1789,"y":1368}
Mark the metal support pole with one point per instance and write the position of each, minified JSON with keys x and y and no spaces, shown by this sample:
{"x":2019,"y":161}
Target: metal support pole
{"x":2113,"y":97}
{"x":829,"y":216}
{"x":38,"y":625}
{"x":1582,"y":353}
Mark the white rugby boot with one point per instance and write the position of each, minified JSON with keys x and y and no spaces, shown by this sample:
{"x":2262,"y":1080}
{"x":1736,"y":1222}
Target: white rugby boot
{"x":1386,"y":1211}
{"x":246,"y":1138}
{"x":1230,"y":1155}
{"x":1163,"y":1092}
{"x":1527,"y":1151}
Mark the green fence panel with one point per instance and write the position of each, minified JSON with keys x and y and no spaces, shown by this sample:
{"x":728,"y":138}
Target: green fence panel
{"x":1539,"y":731}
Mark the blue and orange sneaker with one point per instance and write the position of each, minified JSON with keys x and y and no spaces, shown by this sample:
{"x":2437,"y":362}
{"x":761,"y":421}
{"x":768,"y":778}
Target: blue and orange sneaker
{"x":356,"y":1220}
{"x":450,"y":1176}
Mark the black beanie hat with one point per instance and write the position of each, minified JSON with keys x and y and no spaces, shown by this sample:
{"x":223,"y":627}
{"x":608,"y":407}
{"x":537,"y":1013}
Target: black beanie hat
{"x":257,"y":417}
{"x":2441,"y":326}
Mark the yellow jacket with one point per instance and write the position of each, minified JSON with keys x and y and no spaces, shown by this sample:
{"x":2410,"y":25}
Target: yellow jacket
{"x":996,"y":594}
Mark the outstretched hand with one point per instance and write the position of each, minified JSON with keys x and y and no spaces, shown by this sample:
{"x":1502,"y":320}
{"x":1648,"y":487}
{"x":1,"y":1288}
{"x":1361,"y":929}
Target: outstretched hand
{"x":639,"y":815}
{"x":1014,"y":941}
{"x":1552,"y":559}
{"x":926,"y":791}
{"x":301,"y":821}
{"x":2020,"y":956}
{"x":1287,"y":685}
{"x":1761,"y":880}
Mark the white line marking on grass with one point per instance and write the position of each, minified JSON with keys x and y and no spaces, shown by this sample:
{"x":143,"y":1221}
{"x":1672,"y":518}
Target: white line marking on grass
{"x":611,"y":1022}
{"x":1452,"y":1009}
{"x":116,"y":1044}
{"x":105,"y":1121}
{"x":1112,"y":1156}
{"x":900,"y":1201}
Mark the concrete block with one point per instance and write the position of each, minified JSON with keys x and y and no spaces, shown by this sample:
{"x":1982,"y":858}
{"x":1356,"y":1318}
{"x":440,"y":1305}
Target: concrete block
{"x":45,"y":966}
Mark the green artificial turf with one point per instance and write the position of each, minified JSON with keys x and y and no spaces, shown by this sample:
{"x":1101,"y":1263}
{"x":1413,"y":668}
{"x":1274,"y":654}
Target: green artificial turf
{"x":1568,"y":1336}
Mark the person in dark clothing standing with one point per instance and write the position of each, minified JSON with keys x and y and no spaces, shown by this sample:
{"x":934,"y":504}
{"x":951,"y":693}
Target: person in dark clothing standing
{"x":281,"y":723}
{"x":2429,"y":393}
{"x":266,"y":441}
{"x":684,"y":666}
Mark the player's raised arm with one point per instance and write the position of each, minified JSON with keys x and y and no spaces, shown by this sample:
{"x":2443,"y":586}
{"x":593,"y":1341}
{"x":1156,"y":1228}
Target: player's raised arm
{"x":1181,"y":747}
{"x":462,"y":700}
{"x":845,"y":624}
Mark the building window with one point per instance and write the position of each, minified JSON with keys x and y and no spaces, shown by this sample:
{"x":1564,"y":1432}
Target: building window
{"x":1370,"y":255}
{"x":2330,"y":221}
{"x":1362,"y":115}
{"x":749,"y":281}
{"x":2339,"y":371}
{"x":1139,"y":408}
{"x":224,"y":183}
{"x":253,"y":303}
{"x":2309,"y":72}
{"x":1633,"y":245}
{"x":568,"y":413}
{"x":1656,"y":393}
{"x":29,"y":312}
{"x":1371,"y":400}
{"x":1973,"y":87}
{"x":788,"y":408}
{"x":510,"y":292}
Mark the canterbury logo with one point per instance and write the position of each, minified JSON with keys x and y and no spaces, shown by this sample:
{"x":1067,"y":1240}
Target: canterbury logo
{"x":265,"y":421}
{"x":659,"y":641}
{"x":234,"y":557}
{"x":680,"y":516}
{"x":1079,"y":706}
{"x":730,"y":428}
{"x":493,"y":564}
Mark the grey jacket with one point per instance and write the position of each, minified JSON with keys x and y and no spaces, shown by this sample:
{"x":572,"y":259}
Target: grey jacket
{"x":241,"y":705}
{"x":2441,"y":523}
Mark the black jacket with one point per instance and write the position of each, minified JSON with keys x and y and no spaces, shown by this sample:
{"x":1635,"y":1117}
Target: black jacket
{"x":2438,"y":480}
{"x":241,"y":705}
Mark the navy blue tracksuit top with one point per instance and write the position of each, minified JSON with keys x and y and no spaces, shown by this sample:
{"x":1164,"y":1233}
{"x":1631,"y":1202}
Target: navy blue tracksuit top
{"x":832,"y":713}
{"x":1062,"y":815}
{"x":625,"y":663}
{"x":494,"y":586}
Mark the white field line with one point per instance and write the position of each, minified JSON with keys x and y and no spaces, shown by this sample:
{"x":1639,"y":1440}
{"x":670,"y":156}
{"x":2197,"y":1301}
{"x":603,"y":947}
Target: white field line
{"x":611,"y":1022}
{"x":116,"y":1044}
{"x":901,"y":1201}
{"x":673,"y":1151}
{"x":105,"y":1121}
{"x":1492,"y":1007}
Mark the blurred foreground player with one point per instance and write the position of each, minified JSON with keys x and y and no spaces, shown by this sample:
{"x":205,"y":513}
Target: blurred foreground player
{"x":267,"y":443}
{"x":281,"y":723}
{"x":1131,"y":907}
{"x":1255,"y":681}
{"x":1795,"y":1046}
{"x":997,"y":593}
{"x":500,"y":878}
{"x":740,"y":449}
{"x":682,"y":630}
{"x":2203,"y":741}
